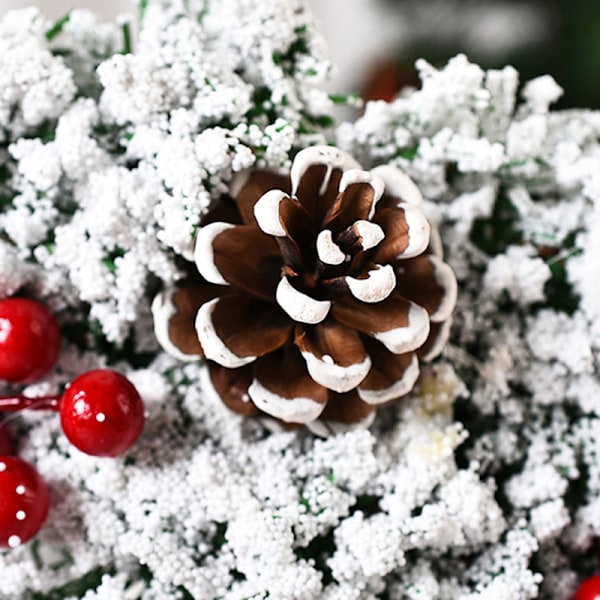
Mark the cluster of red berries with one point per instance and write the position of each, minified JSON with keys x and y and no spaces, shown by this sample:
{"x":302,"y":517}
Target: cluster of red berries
{"x":101,"y":413}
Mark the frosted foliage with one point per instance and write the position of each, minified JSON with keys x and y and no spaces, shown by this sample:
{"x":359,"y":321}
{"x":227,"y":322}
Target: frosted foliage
{"x":482,"y":484}
{"x":519,"y":272}
{"x":36,"y":85}
{"x":579,"y":268}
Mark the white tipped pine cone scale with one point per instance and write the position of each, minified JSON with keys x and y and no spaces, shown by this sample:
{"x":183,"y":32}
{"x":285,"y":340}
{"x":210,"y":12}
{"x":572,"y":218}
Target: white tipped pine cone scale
{"x":317,"y":293}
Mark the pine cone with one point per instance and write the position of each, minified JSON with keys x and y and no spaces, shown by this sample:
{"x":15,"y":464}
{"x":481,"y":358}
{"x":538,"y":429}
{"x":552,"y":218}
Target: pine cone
{"x":318,"y":292}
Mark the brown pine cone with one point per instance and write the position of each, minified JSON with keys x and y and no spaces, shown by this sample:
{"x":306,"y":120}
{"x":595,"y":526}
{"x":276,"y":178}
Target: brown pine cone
{"x":318,"y":292}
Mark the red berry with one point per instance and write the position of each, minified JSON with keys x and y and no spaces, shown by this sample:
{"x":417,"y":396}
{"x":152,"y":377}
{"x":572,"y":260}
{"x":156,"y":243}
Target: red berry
{"x":29,"y":340}
{"x":102,"y":413}
{"x":589,"y":589}
{"x":6,"y":441}
{"x":24,"y":501}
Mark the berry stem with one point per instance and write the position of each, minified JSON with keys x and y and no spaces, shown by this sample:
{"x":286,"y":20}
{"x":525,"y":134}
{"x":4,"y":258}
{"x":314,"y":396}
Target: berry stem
{"x":20,"y":402}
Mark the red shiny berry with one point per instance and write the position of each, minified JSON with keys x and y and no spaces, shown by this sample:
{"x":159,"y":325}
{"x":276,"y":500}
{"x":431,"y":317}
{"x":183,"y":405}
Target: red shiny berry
{"x":24,"y":501}
{"x":29,"y":340}
{"x":102,"y":413}
{"x":6,"y":441}
{"x":589,"y":589}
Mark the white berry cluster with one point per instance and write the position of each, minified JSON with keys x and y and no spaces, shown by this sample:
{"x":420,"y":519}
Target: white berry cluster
{"x":482,"y":484}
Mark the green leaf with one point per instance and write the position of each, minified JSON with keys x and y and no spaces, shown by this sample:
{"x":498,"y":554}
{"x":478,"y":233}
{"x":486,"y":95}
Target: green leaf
{"x":320,"y":549}
{"x":559,"y":291}
{"x":142,"y":9}
{"x":109,"y":261}
{"x":78,"y":587}
{"x":344,"y":98}
{"x":5,"y":174}
{"x":498,"y":231}
{"x":409,"y":153}
{"x":126,"y":29}
{"x":58,"y":27}
{"x":46,"y":131}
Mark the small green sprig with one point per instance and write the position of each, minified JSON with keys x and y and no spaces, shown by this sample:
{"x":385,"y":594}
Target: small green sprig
{"x":58,"y":26}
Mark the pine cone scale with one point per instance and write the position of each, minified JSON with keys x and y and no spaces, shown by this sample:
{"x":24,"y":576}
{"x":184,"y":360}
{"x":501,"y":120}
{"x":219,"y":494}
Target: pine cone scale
{"x":248,"y":187}
{"x":361,"y":235}
{"x":174,"y":311}
{"x":300,"y":306}
{"x":283,"y":388}
{"x":248,"y":326}
{"x":249,"y":259}
{"x":331,"y":341}
{"x":390,"y":314}
{"x":232,"y":387}
{"x":317,"y":189}
{"x":406,"y":233}
{"x":355,"y":203}
{"x":401,"y":325}
{"x":343,"y":410}
{"x":434,"y":344}
{"x":391,"y":376}
{"x":429,"y":282}
{"x":335,"y":355}
{"x":373,"y":284}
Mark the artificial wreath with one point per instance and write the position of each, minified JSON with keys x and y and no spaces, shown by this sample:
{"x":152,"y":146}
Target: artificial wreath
{"x":182,"y":202}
